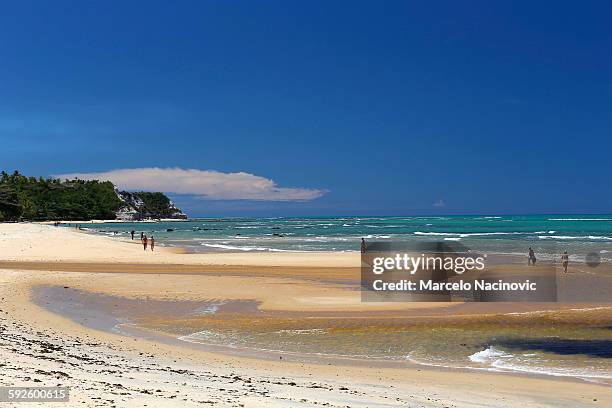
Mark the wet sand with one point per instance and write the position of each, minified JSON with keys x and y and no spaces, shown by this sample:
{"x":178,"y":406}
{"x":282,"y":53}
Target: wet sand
{"x":445,"y":337}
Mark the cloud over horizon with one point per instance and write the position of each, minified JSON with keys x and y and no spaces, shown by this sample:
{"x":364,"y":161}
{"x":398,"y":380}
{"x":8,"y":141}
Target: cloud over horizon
{"x":439,"y":204}
{"x":207,"y":184}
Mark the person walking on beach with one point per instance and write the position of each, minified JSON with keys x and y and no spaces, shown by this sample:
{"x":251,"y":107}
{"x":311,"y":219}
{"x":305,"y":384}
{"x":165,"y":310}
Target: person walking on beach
{"x":565,"y":261}
{"x":363,"y":246}
{"x":141,"y":236}
{"x":144,"y":242}
{"x":532,"y":258}
{"x":152,"y":243}
{"x":132,"y":232}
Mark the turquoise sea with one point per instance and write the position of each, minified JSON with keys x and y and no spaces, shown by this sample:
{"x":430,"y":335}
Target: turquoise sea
{"x":547,"y":234}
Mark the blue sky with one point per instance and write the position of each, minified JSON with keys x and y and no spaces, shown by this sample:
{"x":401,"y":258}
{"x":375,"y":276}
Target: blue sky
{"x":379,"y":108}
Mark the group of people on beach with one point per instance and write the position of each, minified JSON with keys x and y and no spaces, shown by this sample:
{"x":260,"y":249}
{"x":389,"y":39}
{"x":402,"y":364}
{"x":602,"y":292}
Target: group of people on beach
{"x":531,"y":259}
{"x":146,"y":241}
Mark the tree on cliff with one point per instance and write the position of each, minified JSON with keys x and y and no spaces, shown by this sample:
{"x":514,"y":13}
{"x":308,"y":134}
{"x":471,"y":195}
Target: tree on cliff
{"x":39,"y":199}
{"x":29,"y":198}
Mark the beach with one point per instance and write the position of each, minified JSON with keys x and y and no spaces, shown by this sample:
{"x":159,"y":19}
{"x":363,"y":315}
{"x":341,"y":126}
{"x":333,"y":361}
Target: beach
{"x":125,"y":327}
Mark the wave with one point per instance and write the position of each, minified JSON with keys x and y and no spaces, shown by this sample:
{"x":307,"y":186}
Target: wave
{"x":580,"y":219}
{"x":293,"y":332}
{"x":441,"y":234}
{"x":591,"y":237}
{"x":468,"y":234}
{"x":557,"y":311}
{"x":204,"y":335}
{"x":485,"y":355}
{"x":526,"y":363}
{"x":244,"y":248}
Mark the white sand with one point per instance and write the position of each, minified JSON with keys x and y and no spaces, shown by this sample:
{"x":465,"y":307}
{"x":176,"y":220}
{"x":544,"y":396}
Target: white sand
{"x":40,"y":242}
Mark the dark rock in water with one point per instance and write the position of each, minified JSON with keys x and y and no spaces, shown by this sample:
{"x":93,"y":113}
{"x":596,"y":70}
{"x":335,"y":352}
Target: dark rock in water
{"x":275,"y":227}
{"x":238,"y":234}
{"x":169,"y":229}
{"x":278,"y":235}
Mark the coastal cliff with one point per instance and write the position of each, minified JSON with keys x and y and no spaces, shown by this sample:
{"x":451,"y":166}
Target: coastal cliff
{"x":142,"y":205}
{"x":48,"y":199}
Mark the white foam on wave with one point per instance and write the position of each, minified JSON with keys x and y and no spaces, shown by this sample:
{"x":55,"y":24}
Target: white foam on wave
{"x":468,"y":234}
{"x":505,"y":361}
{"x":441,"y":234}
{"x":580,"y":219}
{"x":566,"y":237}
{"x":582,"y":309}
{"x":294,"y":332}
{"x":243,"y":248}
{"x":484,"y":356}
{"x":203,"y":336}
{"x":475,"y":234}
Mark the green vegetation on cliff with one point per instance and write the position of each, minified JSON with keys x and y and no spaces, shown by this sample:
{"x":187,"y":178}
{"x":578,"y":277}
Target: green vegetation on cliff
{"x":156,"y":203}
{"x":38,"y":199}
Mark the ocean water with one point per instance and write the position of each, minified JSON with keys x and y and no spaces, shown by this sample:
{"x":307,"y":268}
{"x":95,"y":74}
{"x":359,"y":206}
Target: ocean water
{"x":547,"y":234}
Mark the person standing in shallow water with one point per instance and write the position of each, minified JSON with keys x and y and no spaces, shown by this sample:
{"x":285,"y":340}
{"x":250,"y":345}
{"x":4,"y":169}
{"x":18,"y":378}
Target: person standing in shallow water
{"x":132,"y":232}
{"x":565,"y":261}
{"x":152,"y":241}
{"x":363,"y":246}
{"x":144,"y":242}
{"x":532,"y":258}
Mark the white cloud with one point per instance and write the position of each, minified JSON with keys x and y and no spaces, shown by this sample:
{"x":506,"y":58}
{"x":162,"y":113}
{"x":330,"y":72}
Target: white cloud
{"x":439,"y":204}
{"x":209,"y":184}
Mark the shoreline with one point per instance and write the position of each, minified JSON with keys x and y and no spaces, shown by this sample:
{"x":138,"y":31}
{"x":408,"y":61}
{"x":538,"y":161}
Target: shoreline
{"x":427,"y":386}
{"x":131,"y":329}
{"x":268,"y":277}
